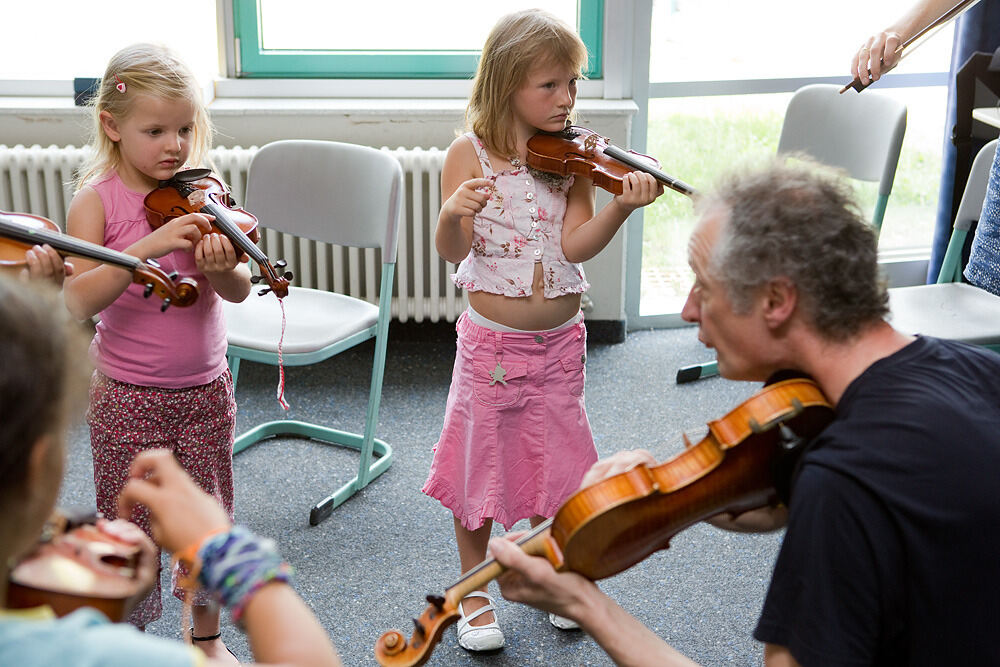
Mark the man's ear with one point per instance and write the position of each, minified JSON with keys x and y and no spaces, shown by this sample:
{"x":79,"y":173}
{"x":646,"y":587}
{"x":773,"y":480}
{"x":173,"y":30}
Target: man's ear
{"x":780,"y":299}
{"x":110,"y":126}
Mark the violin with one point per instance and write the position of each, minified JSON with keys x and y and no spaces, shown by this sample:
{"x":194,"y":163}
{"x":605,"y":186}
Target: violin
{"x":76,"y":565}
{"x":19,"y":232}
{"x":577,"y":150}
{"x":197,"y":191}
{"x":941,"y":21}
{"x":610,"y":526}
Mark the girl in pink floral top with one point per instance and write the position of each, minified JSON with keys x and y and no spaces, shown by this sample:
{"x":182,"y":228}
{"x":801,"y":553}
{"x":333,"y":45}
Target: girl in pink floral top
{"x":516,"y":440}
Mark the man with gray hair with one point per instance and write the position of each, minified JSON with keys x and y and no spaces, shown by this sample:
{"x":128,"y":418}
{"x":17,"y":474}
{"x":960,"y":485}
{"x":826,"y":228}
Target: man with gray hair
{"x":890,"y":551}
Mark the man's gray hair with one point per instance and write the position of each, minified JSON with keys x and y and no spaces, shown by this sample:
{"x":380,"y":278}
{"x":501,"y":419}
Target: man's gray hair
{"x":801,"y":222}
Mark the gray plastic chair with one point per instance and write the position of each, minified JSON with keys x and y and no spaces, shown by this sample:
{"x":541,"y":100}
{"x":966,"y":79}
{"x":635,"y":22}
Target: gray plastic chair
{"x":335,"y":193}
{"x":950,"y":308}
{"x":859,"y":133}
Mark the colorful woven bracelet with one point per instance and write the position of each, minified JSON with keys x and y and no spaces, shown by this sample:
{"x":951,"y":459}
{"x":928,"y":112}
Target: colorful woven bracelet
{"x":236,"y":564}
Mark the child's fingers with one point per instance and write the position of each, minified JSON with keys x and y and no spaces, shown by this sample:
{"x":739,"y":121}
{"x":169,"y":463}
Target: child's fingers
{"x":137,"y":492}
{"x":478,"y":183}
{"x":154,"y":465}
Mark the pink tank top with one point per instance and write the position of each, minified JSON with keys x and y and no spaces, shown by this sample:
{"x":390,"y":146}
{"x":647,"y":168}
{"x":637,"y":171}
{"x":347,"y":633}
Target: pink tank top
{"x":520,"y":225}
{"x":135,"y":342}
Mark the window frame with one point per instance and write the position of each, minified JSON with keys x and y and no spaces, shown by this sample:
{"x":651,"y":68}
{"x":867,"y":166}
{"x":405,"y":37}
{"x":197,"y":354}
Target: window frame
{"x":255,"y":62}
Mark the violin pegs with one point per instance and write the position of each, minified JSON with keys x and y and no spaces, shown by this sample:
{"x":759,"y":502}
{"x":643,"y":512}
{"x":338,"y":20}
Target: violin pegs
{"x":288,"y":275}
{"x":437,"y":601}
{"x":264,"y":291}
{"x":418,"y":628}
{"x":166,"y":304}
{"x":149,"y":290}
{"x":281,"y":264}
{"x":172,"y":275}
{"x":153,"y":262}
{"x":255,"y":279}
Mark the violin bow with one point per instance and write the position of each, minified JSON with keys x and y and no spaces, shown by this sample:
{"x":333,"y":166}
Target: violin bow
{"x":937,"y":23}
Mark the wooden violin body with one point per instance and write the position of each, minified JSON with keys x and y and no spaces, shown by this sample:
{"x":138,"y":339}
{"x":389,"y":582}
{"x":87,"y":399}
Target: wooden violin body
{"x":19,"y":232}
{"x":77,"y":567}
{"x":197,"y":191}
{"x":610,"y":526}
{"x":582,"y":152}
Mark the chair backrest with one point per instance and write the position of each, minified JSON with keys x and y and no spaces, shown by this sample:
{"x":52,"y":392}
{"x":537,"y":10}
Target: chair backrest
{"x":969,"y":210}
{"x":974,"y":195}
{"x":328,"y":191}
{"x":861,"y":133}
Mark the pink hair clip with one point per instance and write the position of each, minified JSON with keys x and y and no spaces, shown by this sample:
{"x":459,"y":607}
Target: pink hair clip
{"x":121,"y":84}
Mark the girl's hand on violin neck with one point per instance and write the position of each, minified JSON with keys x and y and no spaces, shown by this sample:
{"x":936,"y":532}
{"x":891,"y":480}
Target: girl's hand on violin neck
{"x":469,"y":199}
{"x":639,"y":189}
{"x":180,"y":513}
{"x":181,"y":233}
{"x":215,"y":253}
{"x":617,"y":464}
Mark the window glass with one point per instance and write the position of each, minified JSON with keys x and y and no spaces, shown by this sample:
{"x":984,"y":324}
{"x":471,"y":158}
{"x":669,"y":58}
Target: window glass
{"x":385,"y":38}
{"x":62,"y":40}
{"x":389,"y":25}
{"x":697,"y":139}
{"x":776,"y":39}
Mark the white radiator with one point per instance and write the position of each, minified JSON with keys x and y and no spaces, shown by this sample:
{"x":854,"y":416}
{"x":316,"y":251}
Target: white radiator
{"x":39,"y":180}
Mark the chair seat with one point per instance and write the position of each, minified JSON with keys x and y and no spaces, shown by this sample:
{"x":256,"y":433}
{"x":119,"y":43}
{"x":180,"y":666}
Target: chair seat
{"x":956,"y":311}
{"x":315,"y":319}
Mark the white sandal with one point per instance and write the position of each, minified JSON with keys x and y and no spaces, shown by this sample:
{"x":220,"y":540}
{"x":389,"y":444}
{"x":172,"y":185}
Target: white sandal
{"x":562,"y":622}
{"x":487,"y":637}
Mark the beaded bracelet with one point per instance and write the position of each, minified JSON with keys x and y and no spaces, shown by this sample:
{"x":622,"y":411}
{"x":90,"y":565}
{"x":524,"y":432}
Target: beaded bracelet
{"x":236,"y":564}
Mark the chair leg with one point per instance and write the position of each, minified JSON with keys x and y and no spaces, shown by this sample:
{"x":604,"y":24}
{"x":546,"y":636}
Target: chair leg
{"x":366,"y":443}
{"x":234,"y":369}
{"x":697,"y":372}
{"x":879,"y":214}
{"x":951,"y":265}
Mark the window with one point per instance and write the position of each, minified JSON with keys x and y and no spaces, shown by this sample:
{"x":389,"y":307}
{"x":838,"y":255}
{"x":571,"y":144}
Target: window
{"x":385,"y":38}
{"x":62,"y":40}
{"x":696,"y":137}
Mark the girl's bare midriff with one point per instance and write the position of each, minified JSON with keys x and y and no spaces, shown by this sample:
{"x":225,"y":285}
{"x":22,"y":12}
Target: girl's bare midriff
{"x":530,"y":313}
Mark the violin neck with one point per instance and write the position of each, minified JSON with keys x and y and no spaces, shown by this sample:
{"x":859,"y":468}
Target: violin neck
{"x":233,"y":232}
{"x":66,"y":245}
{"x":630,"y":159}
{"x":531,"y":542}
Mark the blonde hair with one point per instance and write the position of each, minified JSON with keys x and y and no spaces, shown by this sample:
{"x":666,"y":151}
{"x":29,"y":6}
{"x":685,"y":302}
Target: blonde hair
{"x":142,"y":69}
{"x":518,"y":43}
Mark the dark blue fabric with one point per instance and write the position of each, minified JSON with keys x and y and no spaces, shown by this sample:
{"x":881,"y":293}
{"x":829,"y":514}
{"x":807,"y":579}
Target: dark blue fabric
{"x":976,"y":30}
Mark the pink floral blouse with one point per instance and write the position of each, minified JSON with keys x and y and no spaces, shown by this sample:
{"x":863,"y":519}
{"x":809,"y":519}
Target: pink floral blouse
{"x":520,"y":225}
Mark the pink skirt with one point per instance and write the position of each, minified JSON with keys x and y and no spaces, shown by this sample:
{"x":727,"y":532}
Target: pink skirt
{"x":516,"y":440}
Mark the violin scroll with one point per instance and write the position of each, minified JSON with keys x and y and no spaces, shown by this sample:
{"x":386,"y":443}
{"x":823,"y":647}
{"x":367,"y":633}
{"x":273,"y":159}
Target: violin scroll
{"x":393,"y":650}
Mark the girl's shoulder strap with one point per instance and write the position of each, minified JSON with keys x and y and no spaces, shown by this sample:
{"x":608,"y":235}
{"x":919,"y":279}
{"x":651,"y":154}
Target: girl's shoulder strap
{"x":484,"y":159}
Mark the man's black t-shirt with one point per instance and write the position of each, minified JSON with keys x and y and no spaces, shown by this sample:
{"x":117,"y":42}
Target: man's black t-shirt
{"x":892,"y":550}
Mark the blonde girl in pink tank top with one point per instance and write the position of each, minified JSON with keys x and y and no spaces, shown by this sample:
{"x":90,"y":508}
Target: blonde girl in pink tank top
{"x":516,"y":440}
{"x":161,"y":378}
